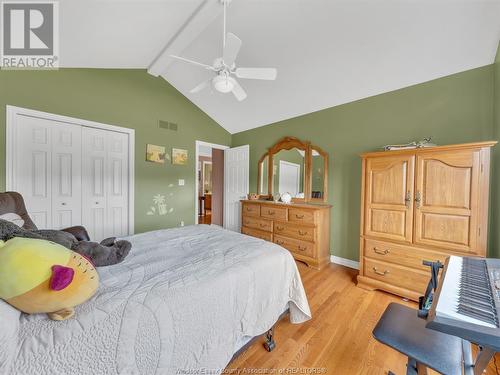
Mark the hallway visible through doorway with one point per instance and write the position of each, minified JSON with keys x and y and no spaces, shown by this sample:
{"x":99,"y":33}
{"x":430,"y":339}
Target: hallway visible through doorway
{"x":210,"y":183}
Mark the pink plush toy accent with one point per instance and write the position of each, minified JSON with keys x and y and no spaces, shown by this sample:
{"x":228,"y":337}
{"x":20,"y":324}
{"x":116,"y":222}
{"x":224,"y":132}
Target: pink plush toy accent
{"x":61,"y":277}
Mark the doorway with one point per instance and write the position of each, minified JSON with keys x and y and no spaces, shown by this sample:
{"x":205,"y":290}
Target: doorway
{"x":209,"y":183}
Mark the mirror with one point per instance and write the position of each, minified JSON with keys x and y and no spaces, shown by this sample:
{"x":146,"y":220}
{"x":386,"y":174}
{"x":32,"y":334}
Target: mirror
{"x":319,"y":173}
{"x":295,"y":167}
{"x":263,"y":176}
{"x":288,"y":172}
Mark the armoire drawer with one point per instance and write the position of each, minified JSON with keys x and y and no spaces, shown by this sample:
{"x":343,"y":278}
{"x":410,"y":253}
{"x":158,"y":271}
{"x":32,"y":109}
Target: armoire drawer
{"x":400,"y":254}
{"x":250,"y":209}
{"x":275,"y":213}
{"x":298,"y":215}
{"x":258,"y":223}
{"x":257,"y":233}
{"x":298,"y":231}
{"x":295,"y":246}
{"x":397,"y":275}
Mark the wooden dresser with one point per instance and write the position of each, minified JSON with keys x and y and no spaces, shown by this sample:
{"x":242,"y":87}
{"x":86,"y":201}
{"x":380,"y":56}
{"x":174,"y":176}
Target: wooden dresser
{"x":303,"y":229}
{"x":421,"y":204}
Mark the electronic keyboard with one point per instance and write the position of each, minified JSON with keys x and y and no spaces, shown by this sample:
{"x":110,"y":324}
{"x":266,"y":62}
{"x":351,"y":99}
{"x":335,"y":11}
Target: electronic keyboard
{"x":466,"y":304}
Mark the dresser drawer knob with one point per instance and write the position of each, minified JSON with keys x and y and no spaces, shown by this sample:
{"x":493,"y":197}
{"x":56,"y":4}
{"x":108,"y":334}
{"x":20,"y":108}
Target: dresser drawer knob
{"x":280,"y":228}
{"x":247,"y":222}
{"x":249,"y":209}
{"x":381,"y":252}
{"x":299,"y":216}
{"x":279,"y":242}
{"x":262,"y":225}
{"x":302,"y":248}
{"x":302,"y":233}
{"x":379,"y":272}
{"x":269,"y":212}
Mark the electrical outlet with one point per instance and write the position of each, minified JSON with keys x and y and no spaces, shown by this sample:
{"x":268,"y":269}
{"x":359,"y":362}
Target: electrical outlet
{"x":181,"y":182}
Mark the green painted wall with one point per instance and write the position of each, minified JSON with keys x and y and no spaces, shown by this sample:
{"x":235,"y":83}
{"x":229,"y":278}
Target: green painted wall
{"x":128,"y":98}
{"x":454,"y":109}
{"x":495,"y":191}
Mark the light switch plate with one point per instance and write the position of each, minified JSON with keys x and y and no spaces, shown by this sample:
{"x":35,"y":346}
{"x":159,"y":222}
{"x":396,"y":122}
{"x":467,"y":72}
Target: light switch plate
{"x":181,"y":182}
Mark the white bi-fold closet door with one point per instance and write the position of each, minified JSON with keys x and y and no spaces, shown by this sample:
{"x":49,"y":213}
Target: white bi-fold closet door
{"x":69,"y":173}
{"x":105,"y":187}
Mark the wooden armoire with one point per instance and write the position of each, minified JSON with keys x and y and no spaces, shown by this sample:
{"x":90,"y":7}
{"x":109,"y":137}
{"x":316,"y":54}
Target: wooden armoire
{"x":421,"y":204}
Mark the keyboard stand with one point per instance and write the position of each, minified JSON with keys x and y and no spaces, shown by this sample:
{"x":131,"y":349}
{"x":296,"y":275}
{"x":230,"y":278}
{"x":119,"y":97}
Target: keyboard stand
{"x":477,"y":366}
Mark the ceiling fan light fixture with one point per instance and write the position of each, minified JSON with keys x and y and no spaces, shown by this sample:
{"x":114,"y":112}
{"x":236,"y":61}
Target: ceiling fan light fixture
{"x":223,"y":83}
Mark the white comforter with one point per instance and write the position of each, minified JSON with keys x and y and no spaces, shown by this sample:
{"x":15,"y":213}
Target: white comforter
{"x":183,"y":300}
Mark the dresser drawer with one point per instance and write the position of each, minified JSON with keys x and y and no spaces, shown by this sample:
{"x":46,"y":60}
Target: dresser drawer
{"x":257,"y":233}
{"x":298,"y":215}
{"x":258,"y":223}
{"x":298,"y":231}
{"x":400,"y":254}
{"x":275,"y":213}
{"x":250,"y":209}
{"x":396,"y":275}
{"x":295,"y":246}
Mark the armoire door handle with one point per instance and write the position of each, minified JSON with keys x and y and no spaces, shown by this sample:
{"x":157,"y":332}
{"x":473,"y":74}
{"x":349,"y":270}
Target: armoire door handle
{"x":418,"y":199}
{"x":408,"y":199}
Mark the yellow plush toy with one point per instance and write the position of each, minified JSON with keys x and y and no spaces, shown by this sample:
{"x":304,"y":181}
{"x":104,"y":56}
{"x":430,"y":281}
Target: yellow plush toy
{"x":38,"y":276}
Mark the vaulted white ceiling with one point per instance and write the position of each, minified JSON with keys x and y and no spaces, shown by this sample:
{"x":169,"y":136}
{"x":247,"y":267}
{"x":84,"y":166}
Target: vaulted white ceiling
{"x":328,"y":52}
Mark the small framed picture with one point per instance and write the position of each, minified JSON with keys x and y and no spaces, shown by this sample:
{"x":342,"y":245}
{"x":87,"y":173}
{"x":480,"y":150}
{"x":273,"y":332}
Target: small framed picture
{"x":179,"y":156}
{"x":155,"y":154}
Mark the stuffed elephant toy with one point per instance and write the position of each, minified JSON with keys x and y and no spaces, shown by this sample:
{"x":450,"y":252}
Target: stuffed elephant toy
{"x":106,"y":253}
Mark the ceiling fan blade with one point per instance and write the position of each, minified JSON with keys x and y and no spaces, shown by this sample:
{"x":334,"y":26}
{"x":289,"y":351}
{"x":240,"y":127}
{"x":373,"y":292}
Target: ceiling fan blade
{"x":193,"y":62}
{"x":257,"y":73}
{"x":238,"y":91}
{"x":200,"y":87}
{"x":231,"y":49}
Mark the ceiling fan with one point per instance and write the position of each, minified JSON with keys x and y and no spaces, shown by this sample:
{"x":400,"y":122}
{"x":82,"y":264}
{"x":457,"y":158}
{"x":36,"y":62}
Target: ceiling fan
{"x":225,"y":67}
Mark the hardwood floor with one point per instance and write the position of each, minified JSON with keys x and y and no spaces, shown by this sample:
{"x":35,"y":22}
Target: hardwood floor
{"x":338,"y":339}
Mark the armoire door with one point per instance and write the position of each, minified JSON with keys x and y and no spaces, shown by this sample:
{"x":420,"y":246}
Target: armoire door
{"x":105,"y":183}
{"x":46,"y":166}
{"x":446,"y":199}
{"x":388,"y":197}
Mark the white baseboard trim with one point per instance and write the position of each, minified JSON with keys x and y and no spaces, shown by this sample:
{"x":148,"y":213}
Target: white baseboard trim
{"x":344,"y":262}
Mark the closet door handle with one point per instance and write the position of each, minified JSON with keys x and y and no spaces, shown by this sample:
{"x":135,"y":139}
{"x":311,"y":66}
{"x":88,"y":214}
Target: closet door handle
{"x":381,"y":252}
{"x":379,"y":272}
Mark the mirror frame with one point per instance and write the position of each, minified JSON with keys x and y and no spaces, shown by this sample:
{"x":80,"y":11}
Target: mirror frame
{"x":288,"y":143}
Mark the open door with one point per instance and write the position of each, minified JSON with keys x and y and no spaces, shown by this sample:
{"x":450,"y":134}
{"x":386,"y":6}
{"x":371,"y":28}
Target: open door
{"x":217,"y":187}
{"x":236,"y":184}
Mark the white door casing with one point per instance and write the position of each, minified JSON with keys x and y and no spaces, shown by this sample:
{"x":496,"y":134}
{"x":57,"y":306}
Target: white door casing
{"x":236,"y":184}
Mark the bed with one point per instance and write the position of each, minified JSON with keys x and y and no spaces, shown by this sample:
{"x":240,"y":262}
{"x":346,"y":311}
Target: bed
{"x":185,"y":300}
